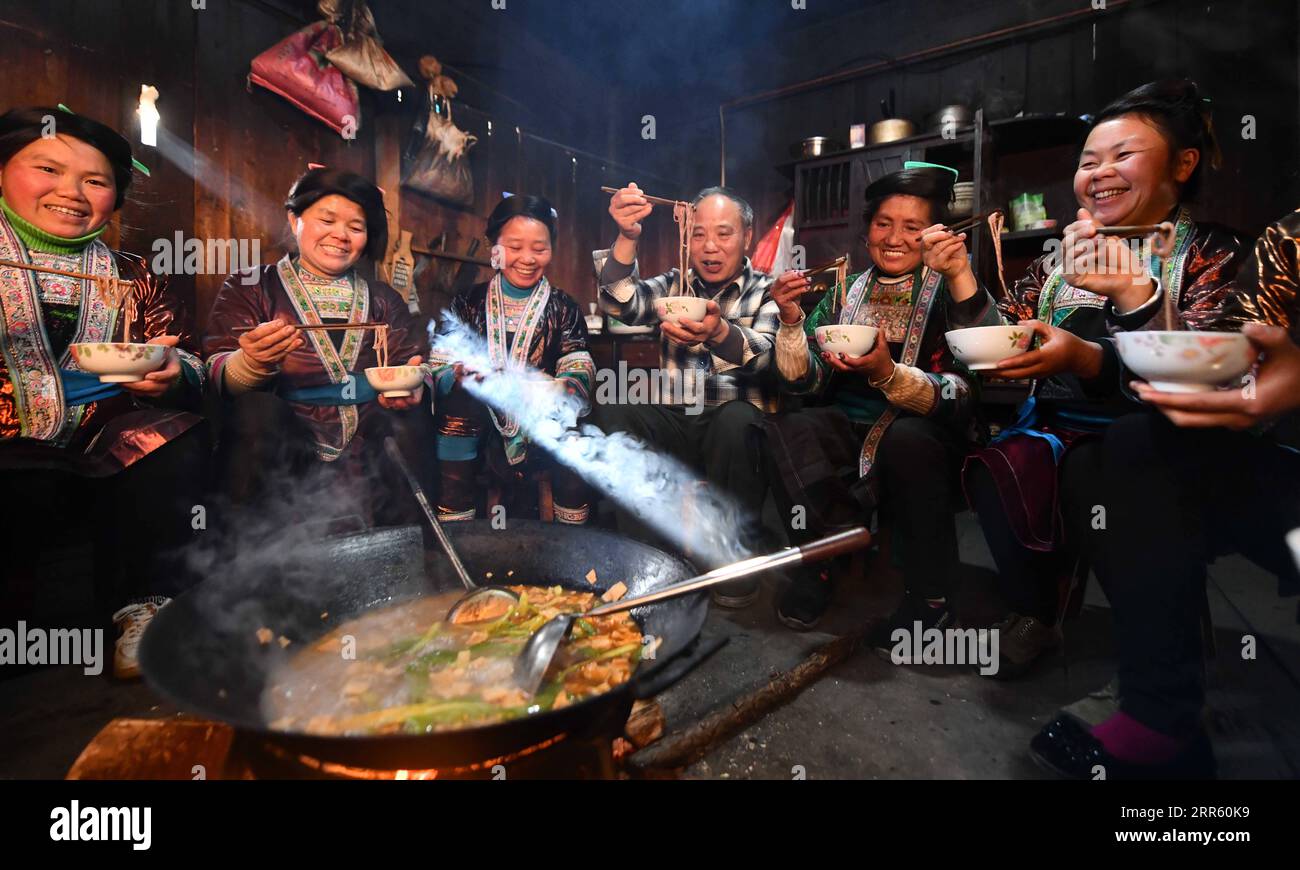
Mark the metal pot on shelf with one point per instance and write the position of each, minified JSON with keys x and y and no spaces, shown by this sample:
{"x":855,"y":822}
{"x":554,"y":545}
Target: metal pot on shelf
{"x":815,"y":146}
{"x":892,"y":128}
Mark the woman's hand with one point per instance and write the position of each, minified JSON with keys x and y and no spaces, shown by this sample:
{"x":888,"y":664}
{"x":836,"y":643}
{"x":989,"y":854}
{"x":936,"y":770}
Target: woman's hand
{"x":1058,"y":351}
{"x":944,"y":252}
{"x":402,"y":403}
{"x":266,"y":345}
{"x":1275,"y":391}
{"x":786,"y":292}
{"x":1104,"y":265}
{"x":874,"y":365}
{"x":161,"y":380}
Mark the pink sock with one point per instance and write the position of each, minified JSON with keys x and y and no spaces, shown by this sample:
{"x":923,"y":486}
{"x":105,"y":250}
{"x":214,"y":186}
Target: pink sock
{"x":1129,"y":740}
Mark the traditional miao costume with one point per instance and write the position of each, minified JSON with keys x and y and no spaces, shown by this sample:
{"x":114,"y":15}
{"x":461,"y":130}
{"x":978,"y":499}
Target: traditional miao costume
{"x":543,"y":328}
{"x":1034,"y":480}
{"x":319,"y":413}
{"x":78,"y":455}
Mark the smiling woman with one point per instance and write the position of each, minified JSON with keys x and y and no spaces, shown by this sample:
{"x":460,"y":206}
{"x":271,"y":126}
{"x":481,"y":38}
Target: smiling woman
{"x":1141,"y":163}
{"x":529,"y":324}
{"x":293,"y":400}
{"x":899,"y":414}
{"x":131,"y":449}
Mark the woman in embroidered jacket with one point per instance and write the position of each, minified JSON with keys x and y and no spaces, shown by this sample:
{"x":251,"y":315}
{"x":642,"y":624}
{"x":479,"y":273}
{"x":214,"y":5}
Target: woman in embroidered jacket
{"x":128,"y":459}
{"x":900,"y":416}
{"x":527,"y":322}
{"x":296,"y":401}
{"x":1032,"y":487}
{"x":1195,"y":476}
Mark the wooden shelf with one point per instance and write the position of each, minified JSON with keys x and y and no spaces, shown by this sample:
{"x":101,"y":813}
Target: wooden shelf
{"x":929,"y":139}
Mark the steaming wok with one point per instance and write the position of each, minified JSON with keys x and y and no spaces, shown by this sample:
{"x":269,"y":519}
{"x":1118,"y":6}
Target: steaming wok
{"x":202,"y":652}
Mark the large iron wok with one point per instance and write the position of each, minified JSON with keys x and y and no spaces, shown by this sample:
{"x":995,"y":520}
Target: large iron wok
{"x":202,"y":650}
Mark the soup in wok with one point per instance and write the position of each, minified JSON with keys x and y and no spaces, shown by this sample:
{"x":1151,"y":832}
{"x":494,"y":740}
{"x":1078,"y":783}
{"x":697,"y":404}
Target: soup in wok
{"x":404,"y":669}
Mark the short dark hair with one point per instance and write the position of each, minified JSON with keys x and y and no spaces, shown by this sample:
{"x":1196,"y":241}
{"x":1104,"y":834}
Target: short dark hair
{"x":746,"y":210}
{"x":521,"y":205}
{"x":21,"y":127}
{"x":1182,"y":115}
{"x":316,"y":184}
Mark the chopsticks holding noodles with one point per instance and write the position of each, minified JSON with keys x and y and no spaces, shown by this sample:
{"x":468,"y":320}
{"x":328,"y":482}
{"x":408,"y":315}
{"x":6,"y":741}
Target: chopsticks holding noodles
{"x":1164,"y":237}
{"x":241,"y":329}
{"x":970,"y":222}
{"x":113,"y":291}
{"x":658,"y":200}
{"x":684,"y":217}
{"x":380,"y":328}
{"x":1162,"y":246}
{"x":827,"y":266}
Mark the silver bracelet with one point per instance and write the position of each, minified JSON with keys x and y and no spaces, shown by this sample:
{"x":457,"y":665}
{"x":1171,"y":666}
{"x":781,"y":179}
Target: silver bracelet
{"x":886,"y":382}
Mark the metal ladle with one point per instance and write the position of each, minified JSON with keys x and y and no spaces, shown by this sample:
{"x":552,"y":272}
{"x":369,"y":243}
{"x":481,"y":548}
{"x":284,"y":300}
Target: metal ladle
{"x":535,"y":658}
{"x":476,"y":595}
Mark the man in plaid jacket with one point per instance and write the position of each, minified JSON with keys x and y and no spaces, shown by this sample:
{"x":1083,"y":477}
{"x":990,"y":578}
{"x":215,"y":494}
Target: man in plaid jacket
{"x":726,"y":356}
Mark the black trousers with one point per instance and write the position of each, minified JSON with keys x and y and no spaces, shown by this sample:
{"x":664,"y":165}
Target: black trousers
{"x":917,"y":466}
{"x":723,"y":443}
{"x":269,"y":472}
{"x":460,"y":414}
{"x":1028,"y":580}
{"x":919,"y":463}
{"x":139,"y":522}
{"x":1175,"y":499}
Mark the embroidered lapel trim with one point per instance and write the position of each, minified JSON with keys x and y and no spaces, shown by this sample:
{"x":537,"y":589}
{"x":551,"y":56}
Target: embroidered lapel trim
{"x":926,"y":290}
{"x":338,"y":364}
{"x":43,"y":413}
{"x":517,"y":355}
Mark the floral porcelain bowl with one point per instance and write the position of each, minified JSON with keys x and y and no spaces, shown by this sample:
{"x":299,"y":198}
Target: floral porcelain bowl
{"x":850,"y":340}
{"x":981,"y":348}
{"x":1186,"y":361}
{"x":395,"y":381}
{"x":673,"y":308}
{"x":118,"y":362}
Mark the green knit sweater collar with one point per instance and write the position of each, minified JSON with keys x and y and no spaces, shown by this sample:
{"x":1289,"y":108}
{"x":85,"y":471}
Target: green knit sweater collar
{"x":38,"y":239}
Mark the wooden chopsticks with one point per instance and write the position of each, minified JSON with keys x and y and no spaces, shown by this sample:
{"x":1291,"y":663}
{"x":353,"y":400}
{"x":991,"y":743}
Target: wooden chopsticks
{"x":822,"y":267}
{"x":1125,"y":232}
{"x":655,"y":199}
{"x":13,"y":265}
{"x":240,"y":329}
{"x":970,"y":222}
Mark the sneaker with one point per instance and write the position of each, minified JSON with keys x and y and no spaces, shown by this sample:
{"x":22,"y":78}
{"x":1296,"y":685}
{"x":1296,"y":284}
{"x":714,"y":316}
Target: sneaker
{"x":804,"y":602}
{"x":131,"y":621}
{"x":737,"y":594}
{"x":1021,"y":640}
{"x":905,"y":617}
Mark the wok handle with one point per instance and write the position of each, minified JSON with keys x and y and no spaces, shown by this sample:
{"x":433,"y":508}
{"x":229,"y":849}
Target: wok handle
{"x":669,"y":672}
{"x":836,"y":545}
{"x":825,"y":548}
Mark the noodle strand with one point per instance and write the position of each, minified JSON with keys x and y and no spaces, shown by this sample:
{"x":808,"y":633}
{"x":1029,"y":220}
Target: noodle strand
{"x":684,"y":215}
